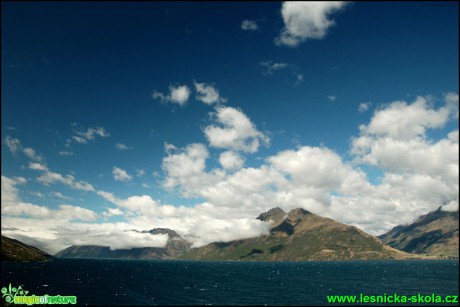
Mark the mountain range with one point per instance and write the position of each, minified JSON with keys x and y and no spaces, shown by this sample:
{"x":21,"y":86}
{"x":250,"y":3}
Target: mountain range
{"x":297,"y":235}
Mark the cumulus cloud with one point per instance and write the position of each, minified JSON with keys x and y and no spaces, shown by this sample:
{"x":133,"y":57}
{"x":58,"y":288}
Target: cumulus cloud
{"x":66,"y":153}
{"x":208,"y":94}
{"x":306,"y":20}
{"x":234,"y":131}
{"x":249,"y":25}
{"x":120,"y":174}
{"x":177,"y":94}
{"x":185,"y":169}
{"x":405,"y":121}
{"x":271,"y":67}
{"x":231,"y":160}
{"x":418,"y":171}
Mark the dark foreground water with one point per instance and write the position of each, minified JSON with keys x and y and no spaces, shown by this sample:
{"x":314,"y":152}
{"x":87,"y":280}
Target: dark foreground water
{"x":142,"y":282}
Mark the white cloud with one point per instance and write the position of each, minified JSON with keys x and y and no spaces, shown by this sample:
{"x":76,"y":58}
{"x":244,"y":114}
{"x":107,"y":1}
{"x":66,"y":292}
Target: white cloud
{"x":332,"y":98}
{"x":231,"y":160}
{"x":37,"y":166}
{"x":186,"y":169}
{"x":236,"y":132}
{"x":66,"y":153}
{"x":169,"y":148}
{"x":13,"y":144}
{"x":451,"y":100}
{"x":29,"y":152}
{"x":140,"y":173}
{"x":249,"y":25}
{"x":121,"y":146}
{"x":48,"y":177}
{"x":226,"y":230}
{"x":59,"y":195}
{"x":418,"y":175}
{"x":271,"y":67}
{"x":53,"y":235}
{"x":70,"y":213}
{"x":306,"y":20}
{"x":113,"y":212}
{"x":208,"y":93}
{"x":177,"y":94}
{"x":405,"y":121}
{"x":451,"y":206}
{"x":364,"y":106}
{"x":13,"y":205}
{"x":90,"y":134}
{"x":120,"y":174}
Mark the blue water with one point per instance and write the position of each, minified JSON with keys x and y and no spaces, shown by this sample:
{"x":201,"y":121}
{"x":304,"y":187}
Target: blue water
{"x":144,"y":282}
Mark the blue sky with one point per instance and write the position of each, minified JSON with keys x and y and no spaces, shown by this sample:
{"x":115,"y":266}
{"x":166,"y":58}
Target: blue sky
{"x":284,"y":90}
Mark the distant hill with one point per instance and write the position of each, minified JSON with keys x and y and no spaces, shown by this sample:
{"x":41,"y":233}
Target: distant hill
{"x":300,"y":235}
{"x":14,"y":250}
{"x":435,"y":233}
{"x":176,"y":246}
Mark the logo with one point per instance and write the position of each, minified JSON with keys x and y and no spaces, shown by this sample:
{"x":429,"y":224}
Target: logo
{"x":19,"y":296}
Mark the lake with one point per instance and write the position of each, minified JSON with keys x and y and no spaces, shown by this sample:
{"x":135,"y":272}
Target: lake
{"x":153,"y":282}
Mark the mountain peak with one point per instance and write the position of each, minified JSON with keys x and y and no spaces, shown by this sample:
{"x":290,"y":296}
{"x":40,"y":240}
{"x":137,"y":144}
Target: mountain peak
{"x":171,"y":233}
{"x":298,"y":213}
{"x":272,"y":214}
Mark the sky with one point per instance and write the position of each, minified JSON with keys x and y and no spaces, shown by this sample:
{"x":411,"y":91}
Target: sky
{"x":199,"y":116}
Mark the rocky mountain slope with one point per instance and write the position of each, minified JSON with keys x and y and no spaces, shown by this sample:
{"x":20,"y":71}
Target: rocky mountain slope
{"x":435,"y":233}
{"x":14,"y":250}
{"x":175,"y":247}
{"x":300,"y":235}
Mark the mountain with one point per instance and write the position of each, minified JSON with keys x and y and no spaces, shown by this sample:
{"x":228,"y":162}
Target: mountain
{"x":176,"y":246}
{"x":300,"y":235}
{"x":435,"y":233}
{"x":14,"y":250}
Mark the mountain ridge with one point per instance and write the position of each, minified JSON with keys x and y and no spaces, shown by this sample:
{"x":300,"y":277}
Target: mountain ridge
{"x":15,"y":250}
{"x":300,"y":236}
{"x":174,"y":247}
{"x":434,"y":233}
